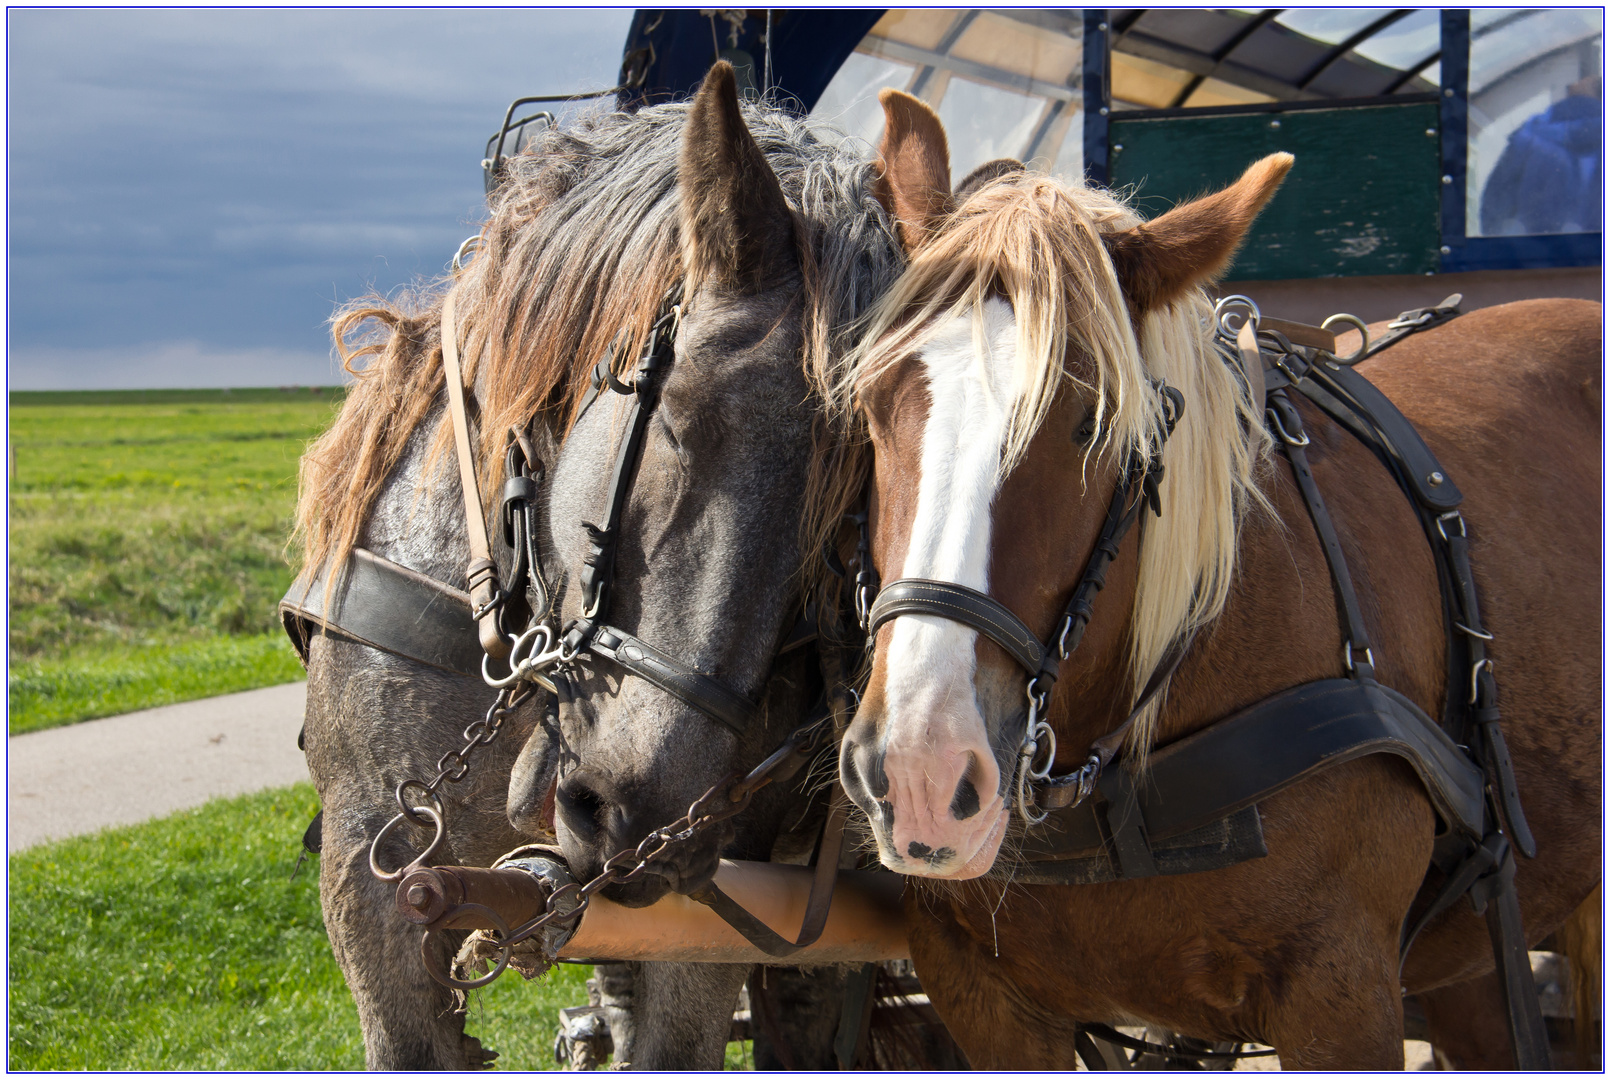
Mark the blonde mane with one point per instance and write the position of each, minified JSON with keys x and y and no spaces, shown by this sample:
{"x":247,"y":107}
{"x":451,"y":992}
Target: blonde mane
{"x":581,"y":245}
{"x":1037,"y":242}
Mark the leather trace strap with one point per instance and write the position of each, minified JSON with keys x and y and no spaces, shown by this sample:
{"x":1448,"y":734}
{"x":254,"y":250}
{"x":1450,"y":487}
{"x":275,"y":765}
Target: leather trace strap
{"x":387,"y":606}
{"x":482,"y":571}
{"x":1291,"y":438}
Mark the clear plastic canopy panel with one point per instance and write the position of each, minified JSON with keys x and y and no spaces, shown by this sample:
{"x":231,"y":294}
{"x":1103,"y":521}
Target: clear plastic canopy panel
{"x":1008,"y":84}
{"x":1535,"y":117}
{"x":1005,"y":83}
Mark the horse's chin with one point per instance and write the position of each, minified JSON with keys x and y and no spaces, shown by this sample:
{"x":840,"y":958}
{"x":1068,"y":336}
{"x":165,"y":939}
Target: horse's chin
{"x":688,"y":873}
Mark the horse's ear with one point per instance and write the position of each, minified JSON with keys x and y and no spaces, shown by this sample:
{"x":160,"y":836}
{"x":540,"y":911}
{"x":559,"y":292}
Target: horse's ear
{"x":984,"y":174}
{"x":1193,"y":243}
{"x":914,"y":182}
{"x":737,"y":227}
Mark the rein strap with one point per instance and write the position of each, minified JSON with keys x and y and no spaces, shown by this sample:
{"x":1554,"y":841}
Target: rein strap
{"x":482,"y":571}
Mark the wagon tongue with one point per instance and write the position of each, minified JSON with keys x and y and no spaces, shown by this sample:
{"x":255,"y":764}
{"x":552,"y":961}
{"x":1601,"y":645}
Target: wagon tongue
{"x":500,"y":904}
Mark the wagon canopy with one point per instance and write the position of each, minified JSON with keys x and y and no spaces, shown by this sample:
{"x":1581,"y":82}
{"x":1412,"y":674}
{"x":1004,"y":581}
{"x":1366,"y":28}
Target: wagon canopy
{"x":1428,"y":140}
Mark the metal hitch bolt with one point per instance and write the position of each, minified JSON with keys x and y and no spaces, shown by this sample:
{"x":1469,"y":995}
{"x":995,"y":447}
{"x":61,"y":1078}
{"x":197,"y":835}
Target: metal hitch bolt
{"x":418,"y":895}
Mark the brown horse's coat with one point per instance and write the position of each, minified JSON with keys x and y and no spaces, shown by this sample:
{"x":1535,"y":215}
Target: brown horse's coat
{"x":1298,"y":949}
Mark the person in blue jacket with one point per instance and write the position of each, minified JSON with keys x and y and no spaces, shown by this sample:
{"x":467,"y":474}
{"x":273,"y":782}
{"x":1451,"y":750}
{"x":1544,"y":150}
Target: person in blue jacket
{"x":1548,"y":179}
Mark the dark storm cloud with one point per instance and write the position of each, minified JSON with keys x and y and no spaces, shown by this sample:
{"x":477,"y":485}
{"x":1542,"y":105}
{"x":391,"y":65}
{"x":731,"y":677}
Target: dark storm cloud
{"x":191,"y":192}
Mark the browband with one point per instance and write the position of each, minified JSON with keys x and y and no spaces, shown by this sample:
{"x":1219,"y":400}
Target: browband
{"x":389,"y":607}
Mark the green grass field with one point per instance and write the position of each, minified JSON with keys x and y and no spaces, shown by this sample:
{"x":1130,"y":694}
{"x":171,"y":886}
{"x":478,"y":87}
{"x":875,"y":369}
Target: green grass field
{"x":185,"y":943}
{"x":148,"y":535}
{"x":147,"y":557}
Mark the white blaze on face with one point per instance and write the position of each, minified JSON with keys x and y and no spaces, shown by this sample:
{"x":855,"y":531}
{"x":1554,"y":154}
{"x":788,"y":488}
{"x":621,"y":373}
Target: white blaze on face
{"x":934,"y":735}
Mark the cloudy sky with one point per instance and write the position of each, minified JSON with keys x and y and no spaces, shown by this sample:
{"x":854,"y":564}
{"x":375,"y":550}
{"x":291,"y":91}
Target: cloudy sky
{"x":192,"y":192}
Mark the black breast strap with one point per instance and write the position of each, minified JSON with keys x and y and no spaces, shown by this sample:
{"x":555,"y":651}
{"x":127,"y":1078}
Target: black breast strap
{"x":1200,"y":784}
{"x":389,"y":607}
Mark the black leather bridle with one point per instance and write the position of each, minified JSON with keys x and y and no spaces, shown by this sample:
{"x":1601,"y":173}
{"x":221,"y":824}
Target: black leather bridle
{"x":390,"y":607}
{"x":1137,"y":487}
{"x":591,"y":633}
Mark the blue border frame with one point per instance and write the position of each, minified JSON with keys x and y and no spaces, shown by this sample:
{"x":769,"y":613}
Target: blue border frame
{"x":1460,"y":252}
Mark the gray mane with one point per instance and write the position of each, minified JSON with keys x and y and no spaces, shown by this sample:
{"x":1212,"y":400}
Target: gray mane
{"x":584,"y":239}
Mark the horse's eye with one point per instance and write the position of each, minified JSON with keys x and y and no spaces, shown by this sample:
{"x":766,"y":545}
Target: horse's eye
{"x":1086,"y":431}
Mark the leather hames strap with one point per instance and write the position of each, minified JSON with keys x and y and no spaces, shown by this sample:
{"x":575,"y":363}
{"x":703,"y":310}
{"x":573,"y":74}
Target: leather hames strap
{"x":482,"y":571}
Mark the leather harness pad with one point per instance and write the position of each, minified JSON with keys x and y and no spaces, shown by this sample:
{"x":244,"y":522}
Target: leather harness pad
{"x":1196,"y":792}
{"x":388,"y":607}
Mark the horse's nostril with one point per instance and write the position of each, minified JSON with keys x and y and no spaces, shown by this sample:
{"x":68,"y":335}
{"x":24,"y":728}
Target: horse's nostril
{"x":867,"y":766}
{"x":965,"y":803}
{"x":582,"y":808}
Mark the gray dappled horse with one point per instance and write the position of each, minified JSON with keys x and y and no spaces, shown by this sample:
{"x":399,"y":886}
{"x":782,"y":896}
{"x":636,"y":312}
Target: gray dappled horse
{"x":374,"y":718}
{"x":780,"y":246}
{"x":582,"y":243}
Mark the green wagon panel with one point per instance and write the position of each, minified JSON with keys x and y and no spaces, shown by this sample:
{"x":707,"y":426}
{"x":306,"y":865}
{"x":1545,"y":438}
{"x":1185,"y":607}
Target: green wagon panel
{"x":1362,"y":198}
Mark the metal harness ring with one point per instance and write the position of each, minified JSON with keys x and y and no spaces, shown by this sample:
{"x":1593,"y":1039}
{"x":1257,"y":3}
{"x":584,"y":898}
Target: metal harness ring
{"x":1225,"y":310}
{"x":1364,"y":337}
{"x":418,"y":860}
{"x":506,"y":949}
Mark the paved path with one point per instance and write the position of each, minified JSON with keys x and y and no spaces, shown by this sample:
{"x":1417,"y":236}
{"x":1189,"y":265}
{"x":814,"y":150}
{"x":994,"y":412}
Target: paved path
{"x":126,"y":769}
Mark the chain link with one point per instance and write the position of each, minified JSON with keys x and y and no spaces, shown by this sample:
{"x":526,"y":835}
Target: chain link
{"x":452,"y":767}
{"x":727,"y":798}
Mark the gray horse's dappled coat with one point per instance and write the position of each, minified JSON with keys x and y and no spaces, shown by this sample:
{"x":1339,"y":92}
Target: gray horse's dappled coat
{"x":584,"y":236}
{"x":782,"y":248}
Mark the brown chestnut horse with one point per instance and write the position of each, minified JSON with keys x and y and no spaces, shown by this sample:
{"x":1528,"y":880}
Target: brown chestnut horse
{"x":1034,"y":310}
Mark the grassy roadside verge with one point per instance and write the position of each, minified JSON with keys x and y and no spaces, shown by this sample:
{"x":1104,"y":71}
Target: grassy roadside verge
{"x":48,"y":693}
{"x":147,"y":533}
{"x":184,"y":943}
